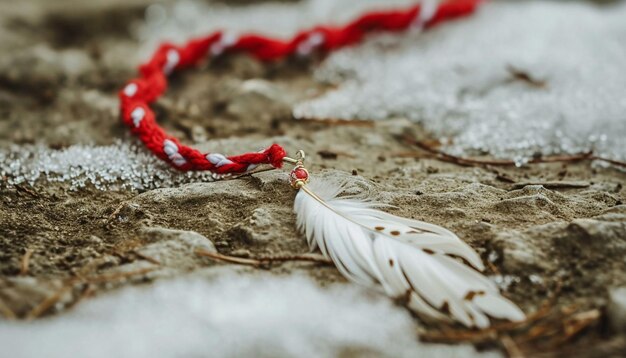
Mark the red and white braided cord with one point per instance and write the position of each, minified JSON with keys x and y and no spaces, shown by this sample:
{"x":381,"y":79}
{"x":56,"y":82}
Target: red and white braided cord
{"x":136,"y":96}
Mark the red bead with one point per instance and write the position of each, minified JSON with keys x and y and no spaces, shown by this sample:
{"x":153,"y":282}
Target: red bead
{"x":301,"y":174}
{"x":298,"y":177}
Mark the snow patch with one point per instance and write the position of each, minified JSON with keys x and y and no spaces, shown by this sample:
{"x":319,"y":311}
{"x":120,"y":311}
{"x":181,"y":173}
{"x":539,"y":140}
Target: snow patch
{"x":120,"y":165}
{"x":465,"y":80}
{"x":233,"y":316}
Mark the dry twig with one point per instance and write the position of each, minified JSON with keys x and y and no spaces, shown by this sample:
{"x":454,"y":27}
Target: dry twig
{"x":554,"y":184}
{"x":88,"y":291}
{"x":493,"y":267}
{"x":257,"y":171}
{"x":577,"y":323}
{"x":115,"y":213}
{"x":115,"y":276}
{"x":466,"y":161}
{"x":264,"y":260}
{"x":69,"y":285}
{"x":452,"y":335}
{"x":548,"y":328}
{"x":147,"y":258}
{"x":511,"y":348}
{"x":231,"y":259}
{"x":48,"y":302}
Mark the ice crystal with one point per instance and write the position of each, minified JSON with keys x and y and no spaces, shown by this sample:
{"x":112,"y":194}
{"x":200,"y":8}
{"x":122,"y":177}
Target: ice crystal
{"x":118,"y":166}
{"x":515,"y":80}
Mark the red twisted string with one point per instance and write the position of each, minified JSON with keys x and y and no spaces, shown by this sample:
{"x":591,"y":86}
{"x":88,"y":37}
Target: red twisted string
{"x":140,"y":92}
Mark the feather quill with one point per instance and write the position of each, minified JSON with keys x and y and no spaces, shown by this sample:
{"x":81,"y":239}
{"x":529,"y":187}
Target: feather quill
{"x":405,"y":258}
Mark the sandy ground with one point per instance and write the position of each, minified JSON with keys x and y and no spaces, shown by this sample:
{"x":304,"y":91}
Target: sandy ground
{"x":553,"y":233}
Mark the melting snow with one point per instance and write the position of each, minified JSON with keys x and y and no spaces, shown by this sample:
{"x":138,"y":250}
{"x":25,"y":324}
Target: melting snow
{"x":459,"y":81}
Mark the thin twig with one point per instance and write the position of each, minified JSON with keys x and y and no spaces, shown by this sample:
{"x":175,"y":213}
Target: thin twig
{"x":88,"y":291}
{"x":48,"y":302}
{"x":25,"y":263}
{"x":115,"y":276}
{"x":306,"y":257}
{"x":548,"y":328}
{"x":511,"y":348}
{"x":51,"y":300}
{"x":467,"y":161}
{"x":115,"y":213}
{"x":452,"y":335}
{"x":577,"y":323}
{"x":611,"y":161}
{"x":456,"y":336}
{"x":231,"y":259}
{"x":257,"y":171}
{"x":554,"y":184}
{"x":493,"y":267}
{"x":263,"y":260}
{"x":147,"y":258}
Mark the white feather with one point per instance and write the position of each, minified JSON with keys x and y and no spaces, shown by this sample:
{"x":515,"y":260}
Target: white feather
{"x":404,"y":257}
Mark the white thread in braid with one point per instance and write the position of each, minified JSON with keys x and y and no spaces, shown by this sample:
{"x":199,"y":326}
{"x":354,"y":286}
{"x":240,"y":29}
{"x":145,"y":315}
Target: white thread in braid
{"x":226,"y":40}
{"x":309,"y":44}
{"x":172,"y":58}
{"x":137,"y":115}
{"x":427,"y":11}
{"x":171,"y":149}
{"x":130,"y":89}
{"x":218,"y":159}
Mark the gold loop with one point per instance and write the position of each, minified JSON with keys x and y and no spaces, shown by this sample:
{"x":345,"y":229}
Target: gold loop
{"x":298,"y":160}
